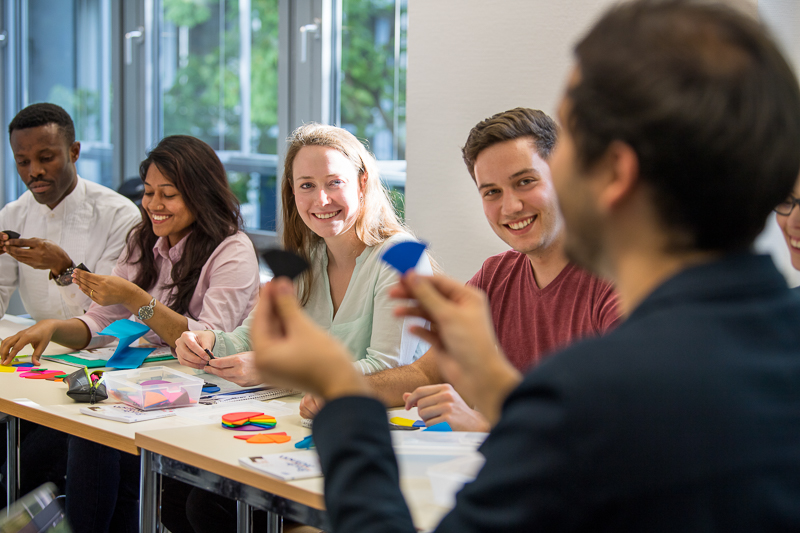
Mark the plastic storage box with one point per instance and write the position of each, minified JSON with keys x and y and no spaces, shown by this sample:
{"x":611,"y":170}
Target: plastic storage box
{"x":155,"y":387}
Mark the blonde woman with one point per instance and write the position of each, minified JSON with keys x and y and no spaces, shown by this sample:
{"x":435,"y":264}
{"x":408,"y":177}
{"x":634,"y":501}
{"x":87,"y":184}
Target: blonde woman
{"x":338,"y":216}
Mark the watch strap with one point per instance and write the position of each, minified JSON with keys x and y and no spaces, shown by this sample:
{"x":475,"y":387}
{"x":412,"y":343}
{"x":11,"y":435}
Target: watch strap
{"x":63,"y":279}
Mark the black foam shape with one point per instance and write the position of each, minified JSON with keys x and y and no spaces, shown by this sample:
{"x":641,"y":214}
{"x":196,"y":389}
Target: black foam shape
{"x":283,"y":263}
{"x":11,"y":234}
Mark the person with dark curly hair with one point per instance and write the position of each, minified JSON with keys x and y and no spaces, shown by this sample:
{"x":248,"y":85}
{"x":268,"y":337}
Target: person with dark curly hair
{"x":187,"y":265}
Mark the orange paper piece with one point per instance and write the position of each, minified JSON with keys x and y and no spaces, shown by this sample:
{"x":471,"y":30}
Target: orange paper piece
{"x":265,"y":438}
{"x":152,"y":398}
{"x":233,"y":418}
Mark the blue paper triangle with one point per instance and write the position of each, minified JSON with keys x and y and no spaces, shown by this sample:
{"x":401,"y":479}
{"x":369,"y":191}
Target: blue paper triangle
{"x":404,"y":256}
{"x":441,"y":426}
{"x":124,"y":356}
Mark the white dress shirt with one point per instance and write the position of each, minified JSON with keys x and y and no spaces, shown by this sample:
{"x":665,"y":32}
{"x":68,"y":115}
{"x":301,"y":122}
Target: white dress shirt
{"x":90,"y":224}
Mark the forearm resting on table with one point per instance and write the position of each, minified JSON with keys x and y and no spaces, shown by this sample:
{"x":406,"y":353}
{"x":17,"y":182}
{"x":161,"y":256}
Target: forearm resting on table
{"x":72,"y":333}
{"x":390,"y":385}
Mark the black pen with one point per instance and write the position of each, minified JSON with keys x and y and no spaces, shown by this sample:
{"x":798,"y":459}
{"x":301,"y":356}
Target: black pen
{"x":208,"y":352}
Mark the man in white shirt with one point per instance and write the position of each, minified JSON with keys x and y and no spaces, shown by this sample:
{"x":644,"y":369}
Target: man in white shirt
{"x":62,"y":220}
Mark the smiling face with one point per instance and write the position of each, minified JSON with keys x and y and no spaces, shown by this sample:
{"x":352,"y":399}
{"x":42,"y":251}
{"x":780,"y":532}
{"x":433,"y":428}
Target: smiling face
{"x":46,"y":162}
{"x":518,"y":196}
{"x":790,"y":226}
{"x":326,"y":190}
{"x":164,"y":205}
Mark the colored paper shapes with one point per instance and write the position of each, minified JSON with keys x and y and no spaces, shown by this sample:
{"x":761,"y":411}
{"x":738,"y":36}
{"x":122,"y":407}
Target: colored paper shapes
{"x":211,"y":390}
{"x":247,"y":427}
{"x":265,"y":438}
{"x":407,"y":422}
{"x":7,"y":369}
{"x":23,"y":365}
{"x":441,"y":426}
{"x":41,"y":374}
{"x":153,"y":382}
{"x":126,"y":357}
{"x":283,"y":263}
{"x":306,"y":443}
{"x":248,"y":421}
{"x":418,"y":424}
{"x":404,"y":256}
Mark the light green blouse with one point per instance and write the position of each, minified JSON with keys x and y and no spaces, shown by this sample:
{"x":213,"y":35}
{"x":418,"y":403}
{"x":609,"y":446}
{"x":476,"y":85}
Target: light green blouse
{"x":364,"y":322}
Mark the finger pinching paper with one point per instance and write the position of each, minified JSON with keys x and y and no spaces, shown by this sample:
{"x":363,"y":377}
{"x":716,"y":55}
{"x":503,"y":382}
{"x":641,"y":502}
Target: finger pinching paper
{"x":404,"y":256}
{"x":125,"y":357}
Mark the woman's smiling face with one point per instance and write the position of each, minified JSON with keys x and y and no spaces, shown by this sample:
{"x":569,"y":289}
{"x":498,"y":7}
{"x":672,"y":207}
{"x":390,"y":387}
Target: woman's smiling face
{"x":790,"y":226}
{"x":164,"y":205}
{"x":326,"y":190}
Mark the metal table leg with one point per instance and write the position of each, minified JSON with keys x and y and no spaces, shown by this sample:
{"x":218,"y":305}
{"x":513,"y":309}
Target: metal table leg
{"x":244,"y":517}
{"x":148,"y":495}
{"x":12,"y":459}
{"x":274,"y":523}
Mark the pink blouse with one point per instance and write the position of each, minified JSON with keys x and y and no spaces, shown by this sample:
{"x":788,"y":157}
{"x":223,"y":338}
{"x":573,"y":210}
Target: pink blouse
{"x":226,"y":291}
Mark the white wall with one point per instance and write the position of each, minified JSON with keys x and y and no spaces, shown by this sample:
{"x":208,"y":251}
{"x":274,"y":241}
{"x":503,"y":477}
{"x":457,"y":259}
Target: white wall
{"x":469,"y":59}
{"x":783,"y":18}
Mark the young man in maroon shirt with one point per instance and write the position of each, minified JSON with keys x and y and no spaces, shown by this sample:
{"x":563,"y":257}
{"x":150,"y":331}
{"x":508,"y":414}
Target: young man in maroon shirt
{"x":539,"y":301}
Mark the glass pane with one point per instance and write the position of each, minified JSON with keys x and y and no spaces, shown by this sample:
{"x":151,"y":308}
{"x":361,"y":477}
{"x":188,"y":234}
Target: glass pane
{"x":219,"y":82}
{"x":69,"y":64}
{"x":373,"y":101}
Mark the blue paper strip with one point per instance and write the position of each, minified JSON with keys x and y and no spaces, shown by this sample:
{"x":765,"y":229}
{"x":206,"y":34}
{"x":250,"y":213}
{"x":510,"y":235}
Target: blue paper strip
{"x":124,"y":356}
{"x":441,"y":426}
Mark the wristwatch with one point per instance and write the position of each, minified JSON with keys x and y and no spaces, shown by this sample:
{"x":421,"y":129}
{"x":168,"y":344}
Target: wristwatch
{"x":63,"y":279}
{"x":146,"y":311}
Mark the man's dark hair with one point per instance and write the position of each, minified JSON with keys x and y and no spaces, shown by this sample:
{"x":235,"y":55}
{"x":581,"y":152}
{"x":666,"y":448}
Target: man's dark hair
{"x":36,"y":115}
{"x":712,"y":109}
{"x":508,"y":126}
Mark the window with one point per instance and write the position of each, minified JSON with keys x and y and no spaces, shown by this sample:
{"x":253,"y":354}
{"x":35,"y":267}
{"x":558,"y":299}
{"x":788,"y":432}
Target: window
{"x":239,"y":74}
{"x":62,"y":55}
{"x":218,"y":81}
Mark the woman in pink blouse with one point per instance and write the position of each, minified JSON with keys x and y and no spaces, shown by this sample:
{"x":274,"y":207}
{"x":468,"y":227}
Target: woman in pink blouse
{"x":187,"y":265}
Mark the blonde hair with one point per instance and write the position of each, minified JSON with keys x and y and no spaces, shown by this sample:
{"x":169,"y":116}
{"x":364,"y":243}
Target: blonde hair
{"x":377,"y":219}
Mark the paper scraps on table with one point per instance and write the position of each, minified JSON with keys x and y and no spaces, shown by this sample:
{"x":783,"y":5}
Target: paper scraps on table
{"x":265,"y":438}
{"x":406,"y":422}
{"x":283,"y":263}
{"x":441,"y":426}
{"x":7,"y":369}
{"x":404,"y":256}
{"x":306,"y":443}
{"x":125,"y":357}
{"x":41,"y":374}
{"x":248,"y":421}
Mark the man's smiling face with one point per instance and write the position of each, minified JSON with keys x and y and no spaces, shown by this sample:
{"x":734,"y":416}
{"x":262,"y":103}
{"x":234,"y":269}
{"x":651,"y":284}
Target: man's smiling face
{"x":518,"y":196}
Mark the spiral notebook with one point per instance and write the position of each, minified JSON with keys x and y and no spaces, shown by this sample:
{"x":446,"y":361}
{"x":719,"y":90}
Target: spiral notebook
{"x":259,"y":393}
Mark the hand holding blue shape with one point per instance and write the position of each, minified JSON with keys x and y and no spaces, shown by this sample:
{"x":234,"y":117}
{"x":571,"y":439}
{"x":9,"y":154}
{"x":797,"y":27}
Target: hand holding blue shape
{"x":124,"y":356}
{"x":404,"y":256}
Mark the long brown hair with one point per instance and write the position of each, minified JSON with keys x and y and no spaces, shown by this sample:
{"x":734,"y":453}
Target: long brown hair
{"x":376,"y":221}
{"x":196,"y":171}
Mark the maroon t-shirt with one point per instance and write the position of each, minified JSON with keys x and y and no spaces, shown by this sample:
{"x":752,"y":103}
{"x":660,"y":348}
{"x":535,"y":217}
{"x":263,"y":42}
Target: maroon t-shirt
{"x":531,"y":322}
